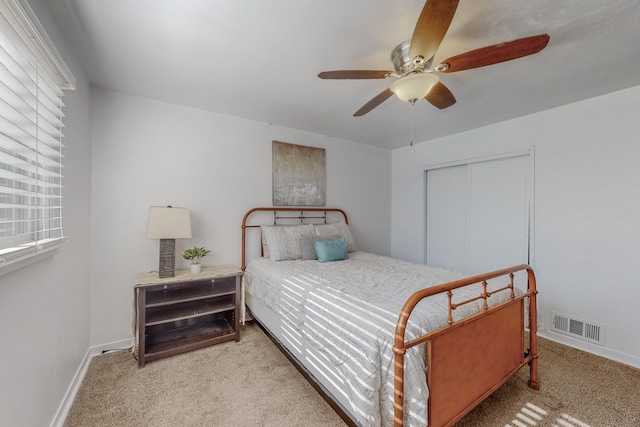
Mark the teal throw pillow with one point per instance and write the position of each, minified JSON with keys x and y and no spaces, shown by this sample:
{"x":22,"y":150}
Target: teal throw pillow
{"x":331,"y":250}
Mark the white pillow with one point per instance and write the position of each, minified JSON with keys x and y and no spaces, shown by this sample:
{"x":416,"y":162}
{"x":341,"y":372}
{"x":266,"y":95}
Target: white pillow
{"x":337,"y":228}
{"x":265,"y":246}
{"x":284,"y":242}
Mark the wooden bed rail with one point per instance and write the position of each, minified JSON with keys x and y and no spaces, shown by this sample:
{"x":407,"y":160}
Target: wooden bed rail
{"x":400,"y":346}
{"x":303,"y":213}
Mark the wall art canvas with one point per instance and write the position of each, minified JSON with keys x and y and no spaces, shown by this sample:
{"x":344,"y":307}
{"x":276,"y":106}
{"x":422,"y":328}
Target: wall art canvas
{"x":298,"y":175}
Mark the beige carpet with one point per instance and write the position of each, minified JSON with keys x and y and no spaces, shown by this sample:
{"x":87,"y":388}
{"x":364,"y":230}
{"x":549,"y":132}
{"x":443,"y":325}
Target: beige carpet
{"x":251,"y":383}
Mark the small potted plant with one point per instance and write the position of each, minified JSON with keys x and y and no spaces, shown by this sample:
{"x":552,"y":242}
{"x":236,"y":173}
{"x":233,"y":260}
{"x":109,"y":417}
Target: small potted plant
{"x":194,"y":255}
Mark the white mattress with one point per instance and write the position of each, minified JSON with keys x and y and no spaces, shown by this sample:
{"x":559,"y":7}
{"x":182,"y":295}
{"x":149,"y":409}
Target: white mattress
{"x":339,"y":318}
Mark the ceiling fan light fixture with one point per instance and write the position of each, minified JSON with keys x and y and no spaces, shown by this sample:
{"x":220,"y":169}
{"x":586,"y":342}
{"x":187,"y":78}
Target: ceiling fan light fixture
{"x":414,"y":86}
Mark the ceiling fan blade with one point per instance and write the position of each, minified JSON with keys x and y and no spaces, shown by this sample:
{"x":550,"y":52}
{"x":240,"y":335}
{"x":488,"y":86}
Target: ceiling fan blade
{"x":431,"y":27}
{"x":354,"y":74}
{"x":440,"y":96}
{"x":497,"y":53}
{"x":377,"y":100}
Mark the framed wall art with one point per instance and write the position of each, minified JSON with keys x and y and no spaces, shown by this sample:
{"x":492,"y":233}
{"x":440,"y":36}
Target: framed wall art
{"x":298,"y":175}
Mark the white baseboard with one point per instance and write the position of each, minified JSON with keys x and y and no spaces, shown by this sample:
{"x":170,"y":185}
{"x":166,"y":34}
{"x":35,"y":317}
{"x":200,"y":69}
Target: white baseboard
{"x":70,"y":395}
{"x":116,"y":345}
{"x":616,"y":356}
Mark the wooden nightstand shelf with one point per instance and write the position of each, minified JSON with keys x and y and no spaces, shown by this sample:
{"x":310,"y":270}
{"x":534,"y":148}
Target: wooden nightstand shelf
{"x":186,"y":312}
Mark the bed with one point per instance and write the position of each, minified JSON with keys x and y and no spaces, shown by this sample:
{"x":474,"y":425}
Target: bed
{"x":385,"y":341}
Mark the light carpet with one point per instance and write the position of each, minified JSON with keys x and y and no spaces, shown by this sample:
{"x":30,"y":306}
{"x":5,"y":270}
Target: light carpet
{"x":251,"y":383}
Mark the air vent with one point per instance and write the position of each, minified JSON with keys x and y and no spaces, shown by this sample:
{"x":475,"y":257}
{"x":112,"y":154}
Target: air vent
{"x":577,"y":328}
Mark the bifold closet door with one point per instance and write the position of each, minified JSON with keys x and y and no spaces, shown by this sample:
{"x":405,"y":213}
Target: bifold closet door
{"x":478,"y":214}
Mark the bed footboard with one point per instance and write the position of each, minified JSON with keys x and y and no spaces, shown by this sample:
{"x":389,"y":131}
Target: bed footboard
{"x":470,"y":358}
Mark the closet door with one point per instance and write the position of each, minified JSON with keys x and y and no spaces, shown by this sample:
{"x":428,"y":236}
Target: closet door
{"x":478,"y":214}
{"x":447,"y":217}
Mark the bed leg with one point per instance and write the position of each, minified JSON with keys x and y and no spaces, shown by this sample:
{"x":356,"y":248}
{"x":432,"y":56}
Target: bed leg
{"x":533,"y":331}
{"x":533,"y":363}
{"x":533,"y":374}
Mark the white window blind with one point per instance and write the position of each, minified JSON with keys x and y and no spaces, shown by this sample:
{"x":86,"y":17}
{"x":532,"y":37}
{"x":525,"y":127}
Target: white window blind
{"x":32,"y":79}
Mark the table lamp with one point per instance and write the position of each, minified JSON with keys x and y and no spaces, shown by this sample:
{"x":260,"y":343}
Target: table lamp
{"x":167,"y":224}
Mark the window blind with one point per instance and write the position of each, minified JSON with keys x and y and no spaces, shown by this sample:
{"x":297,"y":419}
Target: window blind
{"x":31,"y":134}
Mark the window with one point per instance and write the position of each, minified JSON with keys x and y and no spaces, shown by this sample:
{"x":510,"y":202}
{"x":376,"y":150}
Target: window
{"x":32,"y":80}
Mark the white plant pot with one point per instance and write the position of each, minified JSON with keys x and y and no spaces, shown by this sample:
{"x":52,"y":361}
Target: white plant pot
{"x":195,"y":268}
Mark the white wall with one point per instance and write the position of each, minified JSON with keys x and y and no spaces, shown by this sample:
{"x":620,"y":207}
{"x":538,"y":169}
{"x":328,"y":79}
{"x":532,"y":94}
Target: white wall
{"x":44,"y":307}
{"x":587,"y":209}
{"x":151,"y":153}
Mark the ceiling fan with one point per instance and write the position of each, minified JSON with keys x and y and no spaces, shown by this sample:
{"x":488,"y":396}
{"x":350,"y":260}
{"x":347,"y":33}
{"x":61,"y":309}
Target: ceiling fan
{"x":413,"y":60}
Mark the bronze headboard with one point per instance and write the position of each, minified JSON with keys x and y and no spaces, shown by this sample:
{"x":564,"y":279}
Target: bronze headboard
{"x":286,"y":215}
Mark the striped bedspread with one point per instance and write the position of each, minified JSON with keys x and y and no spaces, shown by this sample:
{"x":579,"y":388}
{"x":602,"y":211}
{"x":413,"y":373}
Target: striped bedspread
{"x":349,"y":309}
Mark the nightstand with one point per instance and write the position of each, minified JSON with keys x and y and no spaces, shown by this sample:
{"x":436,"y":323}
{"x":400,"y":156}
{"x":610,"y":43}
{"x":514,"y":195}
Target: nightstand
{"x":186,"y":312}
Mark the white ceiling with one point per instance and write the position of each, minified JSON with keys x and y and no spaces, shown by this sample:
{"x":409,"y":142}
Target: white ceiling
{"x":259,"y":59}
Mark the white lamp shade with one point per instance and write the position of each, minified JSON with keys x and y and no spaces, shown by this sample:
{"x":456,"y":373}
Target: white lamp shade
{"x":166,"y":222}
{"x":414,"y":86}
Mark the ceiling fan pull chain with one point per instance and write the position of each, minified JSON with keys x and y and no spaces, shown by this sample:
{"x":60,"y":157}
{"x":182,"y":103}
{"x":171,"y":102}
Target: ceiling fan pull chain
{"x":413,"y":104}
